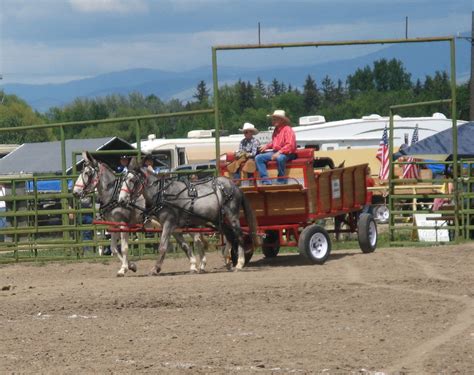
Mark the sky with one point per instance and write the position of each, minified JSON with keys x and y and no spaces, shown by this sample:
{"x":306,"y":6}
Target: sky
{"x":52,"y":41}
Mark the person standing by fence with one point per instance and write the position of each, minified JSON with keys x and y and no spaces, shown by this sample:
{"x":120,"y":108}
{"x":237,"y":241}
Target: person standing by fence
{"x":3,"y":208}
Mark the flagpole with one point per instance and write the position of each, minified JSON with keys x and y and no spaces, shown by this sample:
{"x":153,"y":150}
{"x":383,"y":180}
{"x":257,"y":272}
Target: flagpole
{"x":391,"y":189}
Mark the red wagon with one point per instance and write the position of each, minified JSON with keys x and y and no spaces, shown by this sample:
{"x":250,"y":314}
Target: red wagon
{"x":290,"y":214}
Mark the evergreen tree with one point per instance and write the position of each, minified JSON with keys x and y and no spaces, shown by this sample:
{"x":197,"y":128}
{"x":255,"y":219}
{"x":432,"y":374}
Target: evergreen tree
{"x":259,"y":88}
{"x":202,"y":93}
{"x":275,"y":88}
{"x":418,"y":88}
{"x":328,"y":89}
{"x":311,"y":98}
{"x":245,"y":95}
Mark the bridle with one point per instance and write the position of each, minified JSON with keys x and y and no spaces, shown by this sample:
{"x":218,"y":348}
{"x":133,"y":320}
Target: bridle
{"x":90,"y":179}
{"x":135,"y":185}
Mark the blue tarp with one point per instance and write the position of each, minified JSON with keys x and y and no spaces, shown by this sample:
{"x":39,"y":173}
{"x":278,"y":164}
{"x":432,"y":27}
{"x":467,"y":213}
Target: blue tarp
{"x":47,"y":186}
{"x":440,"y":145}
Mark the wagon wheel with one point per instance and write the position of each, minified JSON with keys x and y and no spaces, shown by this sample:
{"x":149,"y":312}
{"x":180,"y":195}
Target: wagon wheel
{"x":381,"y":214}
{"x":315,"y":244}
{"x":271,"y":243}
{"x":248,"y":250}
{"x":367,"y":233}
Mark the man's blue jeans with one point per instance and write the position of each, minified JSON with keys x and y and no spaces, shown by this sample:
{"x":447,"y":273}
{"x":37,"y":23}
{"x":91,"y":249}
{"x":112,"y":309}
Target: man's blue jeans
{"x":261,"y":161}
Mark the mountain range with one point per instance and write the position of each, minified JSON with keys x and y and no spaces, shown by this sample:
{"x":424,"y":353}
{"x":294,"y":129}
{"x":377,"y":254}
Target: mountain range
{"x":419,"y":59}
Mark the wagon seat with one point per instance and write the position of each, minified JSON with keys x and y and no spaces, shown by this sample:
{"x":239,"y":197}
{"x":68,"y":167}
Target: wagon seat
{"x":299,"y":171}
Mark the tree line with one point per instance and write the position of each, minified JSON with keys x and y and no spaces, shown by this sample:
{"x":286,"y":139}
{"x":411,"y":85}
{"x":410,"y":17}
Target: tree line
{"x":372,"y":89}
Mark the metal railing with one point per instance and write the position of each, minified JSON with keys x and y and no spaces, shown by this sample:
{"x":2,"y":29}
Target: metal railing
{"x":49,"y":225}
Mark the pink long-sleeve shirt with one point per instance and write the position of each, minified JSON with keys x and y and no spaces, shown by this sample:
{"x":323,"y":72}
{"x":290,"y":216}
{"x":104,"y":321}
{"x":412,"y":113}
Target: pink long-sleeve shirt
{"x":283,"y":140}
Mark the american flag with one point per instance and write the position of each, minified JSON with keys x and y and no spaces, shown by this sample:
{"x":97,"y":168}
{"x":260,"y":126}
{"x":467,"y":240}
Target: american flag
{"x":412,"y":170}
{"x":382,"y":155}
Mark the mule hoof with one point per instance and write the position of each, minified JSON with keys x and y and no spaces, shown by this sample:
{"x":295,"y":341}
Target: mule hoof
{"x":120,"y":274}
{"x":132,"y":267}
{"x":154,"y":272}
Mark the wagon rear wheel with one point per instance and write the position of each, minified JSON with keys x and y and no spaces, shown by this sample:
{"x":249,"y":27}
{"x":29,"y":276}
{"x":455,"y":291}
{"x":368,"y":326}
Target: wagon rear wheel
{"x":367,"y":233}
{"x":271,"y":243}
{"x":315,"y":244}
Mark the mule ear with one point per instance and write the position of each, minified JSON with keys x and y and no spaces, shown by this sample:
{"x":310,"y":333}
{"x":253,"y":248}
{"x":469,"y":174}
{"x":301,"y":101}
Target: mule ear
{"x":134,"y":165}
{"x":88,"y":157}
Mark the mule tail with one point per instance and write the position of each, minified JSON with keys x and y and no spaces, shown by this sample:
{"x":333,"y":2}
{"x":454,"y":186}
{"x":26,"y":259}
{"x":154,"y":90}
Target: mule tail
{"x":251,"y":221}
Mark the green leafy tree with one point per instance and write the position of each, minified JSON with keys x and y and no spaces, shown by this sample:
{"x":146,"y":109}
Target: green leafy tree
{"x":15,"y":112}
{"x":362,"y":80}
{"x":390,"y":75}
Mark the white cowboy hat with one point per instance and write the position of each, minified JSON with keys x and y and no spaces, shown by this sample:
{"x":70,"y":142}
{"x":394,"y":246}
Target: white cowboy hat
{"x":280,"y":114}
{"x":248,"y":126}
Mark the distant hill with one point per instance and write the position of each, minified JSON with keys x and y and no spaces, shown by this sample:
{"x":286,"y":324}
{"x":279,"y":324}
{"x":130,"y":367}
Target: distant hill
{"x":419,"y":59}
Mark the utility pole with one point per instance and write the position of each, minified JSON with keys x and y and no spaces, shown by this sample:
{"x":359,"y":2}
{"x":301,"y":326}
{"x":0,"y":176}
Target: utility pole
{"x":471,"y":81}
{"x":406,"y":27}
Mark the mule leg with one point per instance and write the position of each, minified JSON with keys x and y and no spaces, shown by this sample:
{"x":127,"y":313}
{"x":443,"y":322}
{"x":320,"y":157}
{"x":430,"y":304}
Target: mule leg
{"x":113,"y":246}
{"x":187,"y":250}
{"x":125,"y":239}
{"x":201,"y":245}
{"x":165,"y":237}
{"x":124,"y":258}
{"x":235,"y":224}
{"x":227,"y":254}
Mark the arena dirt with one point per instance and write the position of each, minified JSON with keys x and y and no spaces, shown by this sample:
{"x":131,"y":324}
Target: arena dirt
{"x":398,"y":310}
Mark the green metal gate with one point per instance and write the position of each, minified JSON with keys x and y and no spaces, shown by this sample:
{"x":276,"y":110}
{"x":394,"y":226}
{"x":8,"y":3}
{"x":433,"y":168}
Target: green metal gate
{"x":37,"y":231}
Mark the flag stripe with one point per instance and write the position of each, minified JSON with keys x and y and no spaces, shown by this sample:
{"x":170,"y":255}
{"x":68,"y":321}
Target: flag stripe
{"x":412,"y":170}
{"x":382,"y":155}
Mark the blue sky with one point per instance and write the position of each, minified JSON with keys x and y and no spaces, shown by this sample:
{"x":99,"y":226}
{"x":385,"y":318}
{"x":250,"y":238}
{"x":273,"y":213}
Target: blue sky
{"x":60,"y":40}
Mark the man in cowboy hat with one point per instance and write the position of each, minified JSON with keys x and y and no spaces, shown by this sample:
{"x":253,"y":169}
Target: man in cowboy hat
{"x":282,"y":148}
{"x":246,"y":153}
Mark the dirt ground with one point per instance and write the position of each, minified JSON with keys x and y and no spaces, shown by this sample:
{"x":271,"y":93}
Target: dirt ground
{"x":398,"y":310}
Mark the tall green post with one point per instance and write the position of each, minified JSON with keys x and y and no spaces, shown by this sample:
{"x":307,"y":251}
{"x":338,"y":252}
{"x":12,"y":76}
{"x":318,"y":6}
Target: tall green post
{"x":455,"y":141}
{"x":64,"y":189}
{"x":216,"y":108}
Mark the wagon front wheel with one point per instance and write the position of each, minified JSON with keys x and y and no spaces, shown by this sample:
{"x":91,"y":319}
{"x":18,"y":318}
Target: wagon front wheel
{"x":367,"y":233}
{"x":314,"y":243}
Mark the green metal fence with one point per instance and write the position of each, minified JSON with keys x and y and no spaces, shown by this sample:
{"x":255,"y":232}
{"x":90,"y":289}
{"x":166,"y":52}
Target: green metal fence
{"x":456,"y":219}
{"x":42,"y":225}
{"x":451,"y":101}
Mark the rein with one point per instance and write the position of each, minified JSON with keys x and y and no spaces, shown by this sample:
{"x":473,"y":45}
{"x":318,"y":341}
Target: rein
{"x":162,"y":199}
{"x":113,"y":202}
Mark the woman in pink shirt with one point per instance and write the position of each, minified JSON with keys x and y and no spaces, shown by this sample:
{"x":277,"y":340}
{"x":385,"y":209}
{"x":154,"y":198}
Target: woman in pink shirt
{"x":282,"y":148}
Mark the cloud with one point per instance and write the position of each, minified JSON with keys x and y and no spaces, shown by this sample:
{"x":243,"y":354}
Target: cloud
{"x":88,"y":44}
{"x":103,"y":6}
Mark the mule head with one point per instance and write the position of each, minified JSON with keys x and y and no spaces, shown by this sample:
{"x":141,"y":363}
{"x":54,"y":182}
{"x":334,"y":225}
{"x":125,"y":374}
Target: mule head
{"x":133,"y":184}
{"x":89,"y":177}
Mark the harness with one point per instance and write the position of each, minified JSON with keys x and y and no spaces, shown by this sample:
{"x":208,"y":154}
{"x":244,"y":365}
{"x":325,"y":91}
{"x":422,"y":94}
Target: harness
{"x":163,"y":199}
{"x":113,"y":202}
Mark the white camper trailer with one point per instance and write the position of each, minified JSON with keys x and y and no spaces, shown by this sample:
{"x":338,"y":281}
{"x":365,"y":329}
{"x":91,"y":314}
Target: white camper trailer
{"x":353,"y":141}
